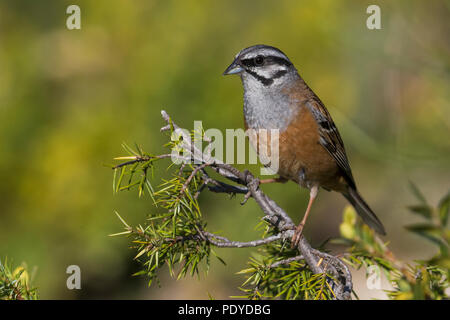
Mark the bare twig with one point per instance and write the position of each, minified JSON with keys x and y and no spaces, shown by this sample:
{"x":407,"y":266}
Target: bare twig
{"x":225,"y":243}
{"x":286,"y":261}
{"x":215,"y":239}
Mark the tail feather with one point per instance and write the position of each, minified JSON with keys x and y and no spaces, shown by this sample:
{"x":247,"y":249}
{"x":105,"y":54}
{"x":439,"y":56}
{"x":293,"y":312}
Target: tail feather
{"x":363,"y":209}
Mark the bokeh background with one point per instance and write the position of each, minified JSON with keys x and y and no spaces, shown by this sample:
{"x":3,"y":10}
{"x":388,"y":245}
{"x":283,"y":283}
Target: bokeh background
{"x":68,"y":99}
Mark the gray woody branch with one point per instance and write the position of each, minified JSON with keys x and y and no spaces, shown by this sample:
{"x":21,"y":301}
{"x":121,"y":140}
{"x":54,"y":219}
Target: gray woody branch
{"x":319,"y":262}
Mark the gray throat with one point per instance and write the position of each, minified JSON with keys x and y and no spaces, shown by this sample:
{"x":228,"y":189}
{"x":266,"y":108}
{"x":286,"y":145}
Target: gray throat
{"x":267,"y":107}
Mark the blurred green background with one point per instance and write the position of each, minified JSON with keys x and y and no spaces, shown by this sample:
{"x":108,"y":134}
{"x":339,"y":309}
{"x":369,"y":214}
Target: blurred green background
{"x":68,"y":99}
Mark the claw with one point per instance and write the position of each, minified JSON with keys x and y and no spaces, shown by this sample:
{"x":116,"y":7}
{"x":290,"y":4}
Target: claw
{"x":297,"y":235}
{"x":246,"y":197}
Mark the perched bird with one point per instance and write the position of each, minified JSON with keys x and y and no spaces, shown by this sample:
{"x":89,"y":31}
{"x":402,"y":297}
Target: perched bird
{"x":311,"y":151}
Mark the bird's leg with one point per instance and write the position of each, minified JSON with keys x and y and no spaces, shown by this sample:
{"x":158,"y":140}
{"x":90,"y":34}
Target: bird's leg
{"x":298,"y":231}
{"x":273,"y":180}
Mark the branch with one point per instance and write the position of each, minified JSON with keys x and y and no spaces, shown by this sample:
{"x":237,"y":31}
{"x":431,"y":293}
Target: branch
{"x":225,"y":243}
{"x":246,"y":183}
{"x":274,"y":214}
{"x":286,"y":261}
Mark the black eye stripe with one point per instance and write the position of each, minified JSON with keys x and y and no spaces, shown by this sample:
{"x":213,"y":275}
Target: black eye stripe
{"x":251,"y":63}
{"x":278,"y":60}
{"x":268,"y":60}
{"x":248,"y":62}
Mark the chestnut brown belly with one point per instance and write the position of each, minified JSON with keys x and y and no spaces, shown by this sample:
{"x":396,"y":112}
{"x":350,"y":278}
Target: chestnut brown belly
{"x":300,"y":152}
{"x":307,"y":159}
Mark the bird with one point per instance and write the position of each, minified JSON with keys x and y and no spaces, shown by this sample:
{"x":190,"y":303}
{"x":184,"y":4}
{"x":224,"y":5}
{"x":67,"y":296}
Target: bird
{"x":311,"y":150}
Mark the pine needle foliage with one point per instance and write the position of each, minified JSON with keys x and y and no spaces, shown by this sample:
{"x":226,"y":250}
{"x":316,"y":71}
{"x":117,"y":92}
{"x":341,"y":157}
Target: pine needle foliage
{"x":421,"y":279}
{"x":171,"y":238}
{"x":267,"y":278}
{"x":16,"y":283}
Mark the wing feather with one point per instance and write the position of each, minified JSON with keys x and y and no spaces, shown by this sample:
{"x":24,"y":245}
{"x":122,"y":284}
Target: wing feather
{"x":330,"y":138}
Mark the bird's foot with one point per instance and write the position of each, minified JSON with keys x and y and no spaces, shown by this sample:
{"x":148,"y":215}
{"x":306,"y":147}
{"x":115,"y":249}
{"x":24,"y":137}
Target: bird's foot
{"x":297,"y":235}
{"x":246,"y":197}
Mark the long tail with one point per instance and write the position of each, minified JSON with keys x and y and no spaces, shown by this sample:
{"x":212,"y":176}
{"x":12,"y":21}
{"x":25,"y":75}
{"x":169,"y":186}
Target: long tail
{"x":363,"y":209}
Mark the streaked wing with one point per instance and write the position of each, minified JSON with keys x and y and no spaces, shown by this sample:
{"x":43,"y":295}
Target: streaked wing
{"x":330,"y":138}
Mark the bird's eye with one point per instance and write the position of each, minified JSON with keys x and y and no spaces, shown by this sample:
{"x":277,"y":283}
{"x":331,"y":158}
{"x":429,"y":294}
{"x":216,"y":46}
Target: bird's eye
{"x":259,"y":60}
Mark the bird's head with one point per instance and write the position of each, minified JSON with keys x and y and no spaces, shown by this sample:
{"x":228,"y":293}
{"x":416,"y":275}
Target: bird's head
{"x":262,"y":65}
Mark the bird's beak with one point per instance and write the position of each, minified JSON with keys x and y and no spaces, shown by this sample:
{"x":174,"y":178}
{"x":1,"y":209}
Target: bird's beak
{"x":233,"y":68}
